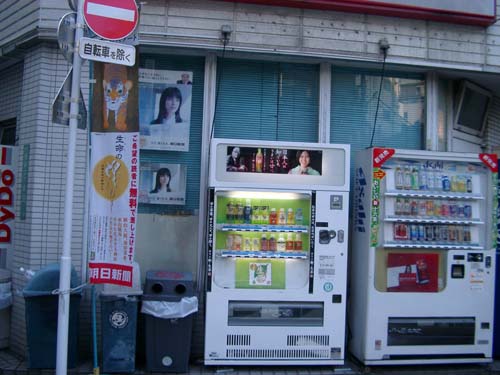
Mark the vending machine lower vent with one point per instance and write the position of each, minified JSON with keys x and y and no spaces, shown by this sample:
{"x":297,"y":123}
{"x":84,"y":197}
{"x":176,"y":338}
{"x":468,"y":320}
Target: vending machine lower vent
{"x":278,"y":354}
{"x":308,"y":340}
{"x":238,"y":340}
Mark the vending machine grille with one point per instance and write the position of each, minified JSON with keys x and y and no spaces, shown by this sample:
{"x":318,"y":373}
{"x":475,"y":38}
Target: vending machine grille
{"x":308,"y":340}
{"x":278,"y":353}
{"x":238,"y":340}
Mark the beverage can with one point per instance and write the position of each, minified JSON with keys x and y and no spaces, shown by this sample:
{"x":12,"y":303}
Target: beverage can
{"x":414,"y":232}
{"x":453,"y":209}
{"x":445,"y":209}
{"x":413,"y":208}
{"x":398,"y":209}
{"x":429,"y":208}
{"x":445,"y":183}
{"x":428,"y":232}
{"x":422,"y":208}
{"x":421,"y":232}
{"x":443,"y":233}
{"x":467,"y":211}
{"x":422,"y":179}
{"x":460,"y":210}
{"x":469,"y":184}
{"x":467,"y":234}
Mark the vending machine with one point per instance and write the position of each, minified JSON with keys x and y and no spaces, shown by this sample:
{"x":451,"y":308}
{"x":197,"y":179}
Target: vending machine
{"x":277,"y":253}
{"x":423,"y":260}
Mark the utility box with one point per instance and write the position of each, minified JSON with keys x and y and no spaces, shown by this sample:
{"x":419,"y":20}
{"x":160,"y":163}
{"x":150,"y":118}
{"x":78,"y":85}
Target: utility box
{"x":168,"y":304}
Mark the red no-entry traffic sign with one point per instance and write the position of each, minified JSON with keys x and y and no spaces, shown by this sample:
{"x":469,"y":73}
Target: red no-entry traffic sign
{"x":111,"y":19}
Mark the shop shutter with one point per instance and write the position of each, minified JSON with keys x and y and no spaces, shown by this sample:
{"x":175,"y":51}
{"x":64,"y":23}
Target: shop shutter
{"x":267,"y":101}
{"x":191,"y":158}
{"x":401,"y":113}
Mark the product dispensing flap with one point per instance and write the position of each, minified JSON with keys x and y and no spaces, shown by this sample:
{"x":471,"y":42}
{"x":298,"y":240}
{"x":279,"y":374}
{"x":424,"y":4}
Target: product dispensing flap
{"x":168,"y":310}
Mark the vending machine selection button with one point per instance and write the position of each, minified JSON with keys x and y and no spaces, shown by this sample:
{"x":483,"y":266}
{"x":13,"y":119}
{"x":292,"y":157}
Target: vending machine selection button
{"x":487,"y":262}
{"x":340,"y":237}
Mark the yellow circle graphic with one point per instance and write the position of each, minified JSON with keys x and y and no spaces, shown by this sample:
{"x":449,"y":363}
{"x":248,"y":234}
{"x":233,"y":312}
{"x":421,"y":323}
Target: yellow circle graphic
{"x":110,"y":177}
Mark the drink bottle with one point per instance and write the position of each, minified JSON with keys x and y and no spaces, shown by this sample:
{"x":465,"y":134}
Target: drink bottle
{"x":258,"y":161}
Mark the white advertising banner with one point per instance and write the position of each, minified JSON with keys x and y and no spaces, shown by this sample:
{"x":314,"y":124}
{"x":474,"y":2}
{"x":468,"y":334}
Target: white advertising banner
{"x":113,"y":207}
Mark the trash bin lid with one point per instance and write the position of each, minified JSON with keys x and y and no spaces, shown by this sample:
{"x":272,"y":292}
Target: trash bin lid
{"x":4,"y":276}
{"x":46,"y":280}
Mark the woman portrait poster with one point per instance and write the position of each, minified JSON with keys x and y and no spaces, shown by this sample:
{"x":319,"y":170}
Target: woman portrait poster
{"x":164,"y":109}
{"x":162,"y":183}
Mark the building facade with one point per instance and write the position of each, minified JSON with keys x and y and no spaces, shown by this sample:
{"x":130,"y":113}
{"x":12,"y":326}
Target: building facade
{"x":268,"y":72}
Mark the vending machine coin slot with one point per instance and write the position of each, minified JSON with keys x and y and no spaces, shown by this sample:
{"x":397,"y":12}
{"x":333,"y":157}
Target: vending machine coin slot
{"x":457,"y":271}
{"x":337,"y":298}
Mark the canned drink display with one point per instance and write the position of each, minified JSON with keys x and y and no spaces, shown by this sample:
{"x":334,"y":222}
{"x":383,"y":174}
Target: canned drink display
{"x":453,"y":209}
{"x":398,"y":209}
{"x":413,"y":208}
{"x":429,"y":208}
{"x":428,"y":233}
{"x":400,"y":231}
{"x":467,"y":234}
{"x":445,"y":182}
{"x":452,"y":234}
{"x":421,"y":232}
{"x":468,"y":211}
{"x":460,"y":210}
{"x":443,"y":233}
{"x":414,"y":232}
{"x":422,"y":208}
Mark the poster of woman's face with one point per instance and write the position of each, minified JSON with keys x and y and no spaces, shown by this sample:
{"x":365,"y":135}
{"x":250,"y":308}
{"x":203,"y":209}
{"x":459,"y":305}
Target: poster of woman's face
{"x":161,"y":183}
{"x":165,"y":109}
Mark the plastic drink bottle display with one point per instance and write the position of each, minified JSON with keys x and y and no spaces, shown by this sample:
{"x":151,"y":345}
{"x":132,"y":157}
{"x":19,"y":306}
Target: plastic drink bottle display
{"x":290,"y":218}
{"x":229,"y":212}
{"x":297,"y":244}
{"x":247,"y":212}
{"x":407,"y":178}
{"x":468,"y":184}
{"x":264,"y":214}
{"x":273,"y":217}
{"x":255,"y":243}
{"x":414,"y":179}
{"x":289,"y":244}
{"x":282,"y":217}
{"x":399,"y":178}
{"x":264,"y":243}
{"x":299,"y":217}
{"x":240,"y":209}
{"x":255,"y":214}
{"x":281,"y":243}
{"x":272,"y":243}
{"x":258,"y":161}
{"x":247,"y":243}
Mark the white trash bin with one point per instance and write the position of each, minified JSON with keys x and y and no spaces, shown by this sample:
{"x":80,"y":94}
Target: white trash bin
{"x":5,"y":303}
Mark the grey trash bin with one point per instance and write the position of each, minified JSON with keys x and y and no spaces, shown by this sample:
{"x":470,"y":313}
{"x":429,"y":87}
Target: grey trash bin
{"x":167,"y":297}
{"x":5,"y":303}
{"x":41,"y":308}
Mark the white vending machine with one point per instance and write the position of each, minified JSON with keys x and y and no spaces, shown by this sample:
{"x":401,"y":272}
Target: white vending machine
{"x":423,"y":260}
{"x":277,"y":253}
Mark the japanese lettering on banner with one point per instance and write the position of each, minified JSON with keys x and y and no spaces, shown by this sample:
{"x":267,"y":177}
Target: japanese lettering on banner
{"x":114,"y":166}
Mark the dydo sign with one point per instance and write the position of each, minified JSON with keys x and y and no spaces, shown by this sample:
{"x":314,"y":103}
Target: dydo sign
{"x":111,"y":19}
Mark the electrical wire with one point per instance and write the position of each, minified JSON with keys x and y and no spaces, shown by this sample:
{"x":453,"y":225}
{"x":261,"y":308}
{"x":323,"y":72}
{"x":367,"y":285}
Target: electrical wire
{"x":225,"y":41}
{"x":384,"y":51}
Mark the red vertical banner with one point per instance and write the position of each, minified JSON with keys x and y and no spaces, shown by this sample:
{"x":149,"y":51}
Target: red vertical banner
{"x":114,"y":166}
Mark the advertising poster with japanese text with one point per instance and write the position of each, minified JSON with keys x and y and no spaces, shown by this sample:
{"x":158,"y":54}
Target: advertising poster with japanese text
{"x":114,"y":166}
{"x":165,"y":109}
{"x":162,"y":183}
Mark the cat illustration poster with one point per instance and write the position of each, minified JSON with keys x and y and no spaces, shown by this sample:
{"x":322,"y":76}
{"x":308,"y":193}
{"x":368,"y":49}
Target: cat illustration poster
{"x":115,"y":98}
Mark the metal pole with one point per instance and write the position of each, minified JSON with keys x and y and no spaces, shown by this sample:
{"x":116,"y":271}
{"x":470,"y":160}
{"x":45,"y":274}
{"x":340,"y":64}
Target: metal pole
{"x":65,"y":268}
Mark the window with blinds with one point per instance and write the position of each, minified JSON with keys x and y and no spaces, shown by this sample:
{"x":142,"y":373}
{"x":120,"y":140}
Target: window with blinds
{"x":401,"y":111}
{"x":267,"y":101}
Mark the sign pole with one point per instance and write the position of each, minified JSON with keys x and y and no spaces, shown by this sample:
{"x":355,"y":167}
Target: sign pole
{"x":65,"y":267}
